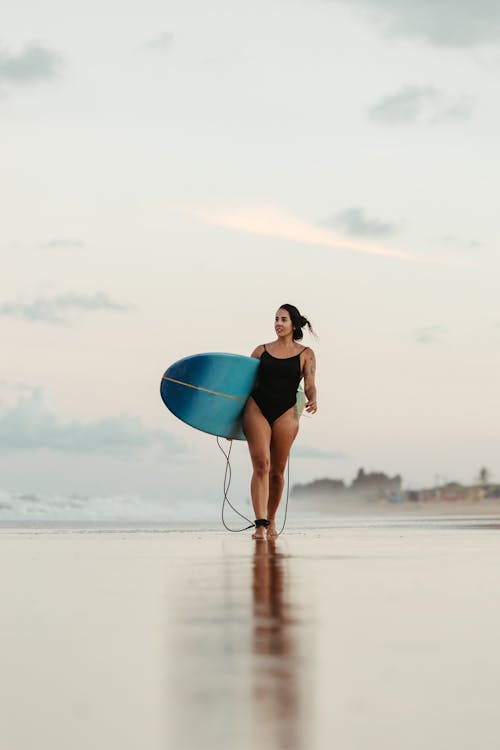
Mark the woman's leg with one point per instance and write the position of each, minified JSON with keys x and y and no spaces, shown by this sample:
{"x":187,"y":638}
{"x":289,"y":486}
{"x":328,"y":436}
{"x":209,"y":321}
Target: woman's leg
{"x":284,"y":432}
{"x":258,"y":434}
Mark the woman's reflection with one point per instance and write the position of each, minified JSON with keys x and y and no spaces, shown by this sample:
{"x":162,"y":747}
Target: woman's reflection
{"x":276,"y":689}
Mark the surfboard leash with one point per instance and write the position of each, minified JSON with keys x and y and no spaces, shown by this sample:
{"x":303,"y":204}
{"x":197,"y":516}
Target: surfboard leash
{"x":227,"y":484}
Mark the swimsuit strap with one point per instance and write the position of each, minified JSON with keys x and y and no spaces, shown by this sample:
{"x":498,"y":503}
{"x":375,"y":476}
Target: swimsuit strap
{"x":303,"y":350}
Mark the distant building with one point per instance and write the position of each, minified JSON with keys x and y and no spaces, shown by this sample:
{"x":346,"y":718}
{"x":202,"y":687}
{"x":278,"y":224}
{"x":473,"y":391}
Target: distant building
{"x":376,"y":483}
{"x":323,"y":487}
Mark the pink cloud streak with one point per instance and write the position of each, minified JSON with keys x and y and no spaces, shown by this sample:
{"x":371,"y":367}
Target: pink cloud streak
{"x":275,"y":222}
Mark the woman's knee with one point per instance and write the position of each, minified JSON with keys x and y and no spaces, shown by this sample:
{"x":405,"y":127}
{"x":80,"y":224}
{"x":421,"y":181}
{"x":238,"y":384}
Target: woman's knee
{"x":276,"y":475}
{"x":261,"y":464}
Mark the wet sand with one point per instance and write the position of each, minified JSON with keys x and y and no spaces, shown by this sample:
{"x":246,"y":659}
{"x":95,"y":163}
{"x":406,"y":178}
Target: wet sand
{"x":361,"y":636}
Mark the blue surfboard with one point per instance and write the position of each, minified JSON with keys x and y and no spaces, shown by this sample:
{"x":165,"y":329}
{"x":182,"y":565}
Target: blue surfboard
{"x":209,"y":391}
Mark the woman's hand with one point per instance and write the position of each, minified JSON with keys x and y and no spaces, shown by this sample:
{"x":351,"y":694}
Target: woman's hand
{"x":311,"y":407}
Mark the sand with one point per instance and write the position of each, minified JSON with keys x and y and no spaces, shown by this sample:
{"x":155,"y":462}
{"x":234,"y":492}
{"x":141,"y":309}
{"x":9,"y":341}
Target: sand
{"x":360,"y":636}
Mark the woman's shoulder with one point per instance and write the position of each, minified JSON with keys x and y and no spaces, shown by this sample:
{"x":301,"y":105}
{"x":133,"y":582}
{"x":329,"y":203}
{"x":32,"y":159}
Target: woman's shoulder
{"x":307,"y":351}
{"x":307,"y":357}
{"x":258,"y":351}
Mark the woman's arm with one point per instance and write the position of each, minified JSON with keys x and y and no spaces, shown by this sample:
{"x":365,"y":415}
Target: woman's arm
{"x":257,"y":352}
{"x":310,"y":383}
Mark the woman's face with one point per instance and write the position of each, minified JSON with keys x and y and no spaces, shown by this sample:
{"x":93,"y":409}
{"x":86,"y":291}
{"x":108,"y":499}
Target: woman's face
{"x":282,"y":323}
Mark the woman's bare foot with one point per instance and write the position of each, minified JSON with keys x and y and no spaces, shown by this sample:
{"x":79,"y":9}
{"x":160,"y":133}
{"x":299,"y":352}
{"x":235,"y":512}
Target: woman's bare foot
{"x":259,"y":534}
{"x":271,"y":531}
{"x":261,"y":525}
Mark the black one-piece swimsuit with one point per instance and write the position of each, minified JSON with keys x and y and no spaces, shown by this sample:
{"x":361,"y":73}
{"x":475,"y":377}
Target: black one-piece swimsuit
{"x":277,"y":383}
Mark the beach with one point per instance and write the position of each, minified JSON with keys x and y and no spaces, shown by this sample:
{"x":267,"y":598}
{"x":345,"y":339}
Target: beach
{"x":359,"y":634}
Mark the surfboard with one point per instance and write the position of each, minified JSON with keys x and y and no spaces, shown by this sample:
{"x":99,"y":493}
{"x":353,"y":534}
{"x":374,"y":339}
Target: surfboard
{"x":208,"y":391}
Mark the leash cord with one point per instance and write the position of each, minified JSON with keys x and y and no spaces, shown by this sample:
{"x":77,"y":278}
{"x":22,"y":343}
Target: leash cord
{"x":227,"y":484}
{"x":287,"y":494}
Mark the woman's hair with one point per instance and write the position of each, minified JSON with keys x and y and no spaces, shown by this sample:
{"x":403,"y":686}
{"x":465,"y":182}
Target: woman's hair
{"x":298,"y":321}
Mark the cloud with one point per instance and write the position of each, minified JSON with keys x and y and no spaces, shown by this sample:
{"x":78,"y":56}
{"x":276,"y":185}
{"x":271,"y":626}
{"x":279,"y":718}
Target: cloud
{"x":61,"y":243}
{"x":462,"y":245}
{"x":33,"y":424}
{"x":307,"y":451}
{"x":15,"y":386}
{"x":277,"y":223}
{"x":161,"y":43}
{"x":34,"y":64}
{"x":421,"y":104}
{"x":429,"y":334}
{"x":355,"y":222}
{"x":58,"y":310}
{"x":443,"y":23}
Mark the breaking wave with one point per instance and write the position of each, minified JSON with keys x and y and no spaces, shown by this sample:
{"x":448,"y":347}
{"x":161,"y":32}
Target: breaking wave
{"x":95,"y":508}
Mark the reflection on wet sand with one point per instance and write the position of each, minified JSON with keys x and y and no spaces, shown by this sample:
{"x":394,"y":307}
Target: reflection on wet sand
{"x":368,"y":637}
{"x":276,"y":692}
{"x":236,"y":678}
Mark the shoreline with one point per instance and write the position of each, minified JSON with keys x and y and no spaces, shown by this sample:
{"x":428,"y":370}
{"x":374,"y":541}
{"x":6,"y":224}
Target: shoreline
{"x":297,"y":527}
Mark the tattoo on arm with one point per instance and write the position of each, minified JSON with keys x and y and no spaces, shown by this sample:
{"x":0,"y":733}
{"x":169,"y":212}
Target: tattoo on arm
{"x":310,"y":368}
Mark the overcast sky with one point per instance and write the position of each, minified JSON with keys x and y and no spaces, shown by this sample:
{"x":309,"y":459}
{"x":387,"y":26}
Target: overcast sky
{"x":173,"y":172}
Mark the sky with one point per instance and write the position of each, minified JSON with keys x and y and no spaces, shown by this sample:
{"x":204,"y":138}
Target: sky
{"x":172,"y":173}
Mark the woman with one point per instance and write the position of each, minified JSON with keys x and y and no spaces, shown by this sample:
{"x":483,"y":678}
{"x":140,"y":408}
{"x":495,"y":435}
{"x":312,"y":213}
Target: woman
{"x":270,"y":419}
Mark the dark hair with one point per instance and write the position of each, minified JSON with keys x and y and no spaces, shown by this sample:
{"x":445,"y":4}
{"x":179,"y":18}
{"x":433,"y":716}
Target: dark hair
{"x":298,"y":321}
